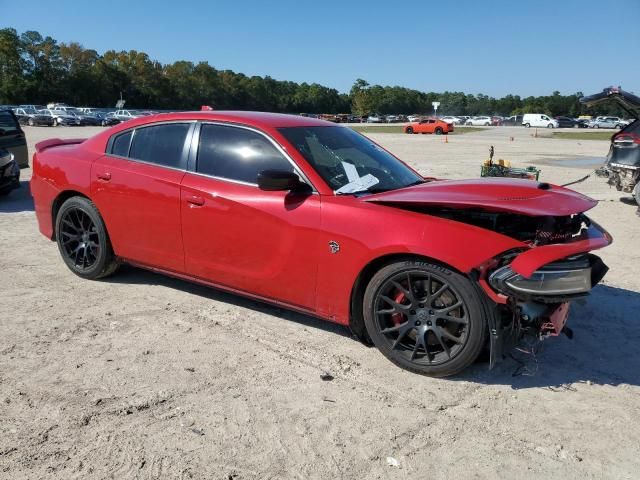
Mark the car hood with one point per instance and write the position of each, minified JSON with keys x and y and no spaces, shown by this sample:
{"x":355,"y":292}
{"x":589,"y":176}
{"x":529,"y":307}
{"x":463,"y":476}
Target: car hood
{"x":523,"y":197}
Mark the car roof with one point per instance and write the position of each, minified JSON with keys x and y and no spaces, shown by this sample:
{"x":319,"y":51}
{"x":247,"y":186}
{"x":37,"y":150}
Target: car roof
{"x":260,"y":120}
{"x":257,"y":119}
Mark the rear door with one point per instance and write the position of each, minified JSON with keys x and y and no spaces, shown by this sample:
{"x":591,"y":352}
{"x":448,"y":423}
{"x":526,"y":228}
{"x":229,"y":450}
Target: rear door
{"x":12,"y":138}
{"x":239,"y":236}
{"x":136,"y":187}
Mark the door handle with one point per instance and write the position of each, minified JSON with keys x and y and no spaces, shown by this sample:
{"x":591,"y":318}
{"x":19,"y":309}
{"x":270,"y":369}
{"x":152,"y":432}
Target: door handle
{"x":195,"y":200}
{"x":106,"y":176}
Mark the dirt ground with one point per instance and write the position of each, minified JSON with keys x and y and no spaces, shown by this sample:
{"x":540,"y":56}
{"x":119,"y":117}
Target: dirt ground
{"x":143,"y":376}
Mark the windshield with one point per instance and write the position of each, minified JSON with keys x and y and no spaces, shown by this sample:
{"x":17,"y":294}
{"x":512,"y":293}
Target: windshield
{"x":350,"y":162}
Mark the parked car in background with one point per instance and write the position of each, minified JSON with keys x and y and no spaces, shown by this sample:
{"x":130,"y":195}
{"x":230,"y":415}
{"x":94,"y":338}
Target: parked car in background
{"x":496,"y":121}
{"x":31,"y":117}
{"x":32,"y":107}
{"x":479,"y":121}
{"x":607,"y":122}
{"x":414,"y":118}
{"x":60,"y":117}
{"x":451,"y":120}
{"x":538,"y":120}
{"x":124,"y":115}
{"x":374,"y":118}
{"x":87,"y":118}
{"x":582,"y":122}
{"x":12,"y":139}
{"x":392,"y":119}
{"x":316,"y":217}
{"x":429,"y":125}
{"x":512,"y":121}
{"x":566,"y":122}
{"x":108,"y":119}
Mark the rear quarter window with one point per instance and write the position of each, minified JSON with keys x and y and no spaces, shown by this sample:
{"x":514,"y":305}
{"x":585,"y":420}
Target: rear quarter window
{"x":120,"y":145}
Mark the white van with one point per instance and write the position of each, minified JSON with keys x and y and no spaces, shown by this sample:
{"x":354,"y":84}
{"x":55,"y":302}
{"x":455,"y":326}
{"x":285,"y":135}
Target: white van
{"x":539,"y":120}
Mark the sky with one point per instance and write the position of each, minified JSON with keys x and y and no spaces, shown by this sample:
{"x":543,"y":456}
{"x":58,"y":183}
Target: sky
{"x":491,"y":47}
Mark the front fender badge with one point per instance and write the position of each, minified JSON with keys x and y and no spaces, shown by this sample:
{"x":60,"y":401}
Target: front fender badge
{"x":334,"y":246}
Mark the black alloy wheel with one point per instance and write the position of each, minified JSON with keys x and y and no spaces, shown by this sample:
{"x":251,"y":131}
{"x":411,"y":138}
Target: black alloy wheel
{"x":438,"y":131}
{"x":425,"y":318}
{"x":409,"y":130}
{"x":83,"y":241}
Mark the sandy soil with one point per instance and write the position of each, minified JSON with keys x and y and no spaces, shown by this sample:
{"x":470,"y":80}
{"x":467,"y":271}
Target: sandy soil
{"x":143,"y":376}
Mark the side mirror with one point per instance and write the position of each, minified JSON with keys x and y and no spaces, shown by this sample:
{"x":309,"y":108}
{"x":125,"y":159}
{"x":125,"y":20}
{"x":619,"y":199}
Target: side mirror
{"x":279,"y":180}
{"x":5,"y":157}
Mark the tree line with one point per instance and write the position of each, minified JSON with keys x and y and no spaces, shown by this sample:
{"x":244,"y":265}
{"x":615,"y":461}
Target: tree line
{"x":37,"y":70}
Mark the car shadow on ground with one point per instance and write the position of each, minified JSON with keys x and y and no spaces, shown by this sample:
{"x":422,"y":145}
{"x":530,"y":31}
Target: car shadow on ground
{"x":131,"y":275}
{"x":19,"y":200}
{"x":603,"y":351}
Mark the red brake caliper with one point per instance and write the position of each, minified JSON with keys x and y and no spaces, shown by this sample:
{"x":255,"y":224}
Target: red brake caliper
{"x":397,"y":318}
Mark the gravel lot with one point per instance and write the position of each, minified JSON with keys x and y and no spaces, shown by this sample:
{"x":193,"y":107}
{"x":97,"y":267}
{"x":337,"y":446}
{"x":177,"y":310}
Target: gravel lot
{"x":143,"y":376}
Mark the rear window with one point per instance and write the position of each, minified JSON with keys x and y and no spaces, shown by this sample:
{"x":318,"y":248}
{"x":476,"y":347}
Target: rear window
{"x":160,"y":144}
{"x":8,"y":123}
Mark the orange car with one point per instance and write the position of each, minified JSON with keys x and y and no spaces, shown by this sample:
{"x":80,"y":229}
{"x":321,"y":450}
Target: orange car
{"x":429,"y":125}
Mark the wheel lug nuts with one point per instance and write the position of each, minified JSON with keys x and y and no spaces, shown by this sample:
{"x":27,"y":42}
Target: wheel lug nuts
{"x":412,"y":312}
{"x":421,"y":306}
{"x":430,"y":312}
{"x":429,"y":323}
{"x":417,"y":323}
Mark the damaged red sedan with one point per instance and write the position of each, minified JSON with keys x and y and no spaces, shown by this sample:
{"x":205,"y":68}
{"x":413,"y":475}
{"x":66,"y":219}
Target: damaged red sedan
{"x":318,"y":218}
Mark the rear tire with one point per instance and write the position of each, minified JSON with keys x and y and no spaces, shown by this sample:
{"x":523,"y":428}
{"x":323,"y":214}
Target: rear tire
{"x":425,"y":318}
{"x":636,"y":194}
{"x":83,"y":240}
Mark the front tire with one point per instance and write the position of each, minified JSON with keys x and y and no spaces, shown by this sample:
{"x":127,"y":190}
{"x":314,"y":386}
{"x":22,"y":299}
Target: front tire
{"x":425,"y":318}
{"x":438,"y":131}
{"x":83,"y":241}
{"x":408,"y":130}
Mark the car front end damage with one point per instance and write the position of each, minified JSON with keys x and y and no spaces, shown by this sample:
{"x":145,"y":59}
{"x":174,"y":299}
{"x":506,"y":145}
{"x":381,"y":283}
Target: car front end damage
{"x":532,"y":287}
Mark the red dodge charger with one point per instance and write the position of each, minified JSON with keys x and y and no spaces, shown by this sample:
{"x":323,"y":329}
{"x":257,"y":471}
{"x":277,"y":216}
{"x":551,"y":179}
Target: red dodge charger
{"x":318,"y":218}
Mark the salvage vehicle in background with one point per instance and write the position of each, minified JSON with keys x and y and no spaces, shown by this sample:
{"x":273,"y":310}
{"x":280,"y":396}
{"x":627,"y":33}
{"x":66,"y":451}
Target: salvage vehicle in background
{"x":479,"y":121}
{"x":60,"y":117}
{"x":607,"y":122}
{"x":538,"y":120}
{"x":318,"y":218}
{"x":451,"y":120}
{"x":108,"y":119}
{"x":429,"y":125}
{"x":28,"y":116}
{"x":622,"y":167}
{"x":12,"y":139}
{"x":566,"y":122}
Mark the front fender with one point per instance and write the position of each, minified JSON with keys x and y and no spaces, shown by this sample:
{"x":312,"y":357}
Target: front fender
{"x":366,"y":232}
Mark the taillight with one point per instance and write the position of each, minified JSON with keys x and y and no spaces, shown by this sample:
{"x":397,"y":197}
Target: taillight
{"x":624,"y":139}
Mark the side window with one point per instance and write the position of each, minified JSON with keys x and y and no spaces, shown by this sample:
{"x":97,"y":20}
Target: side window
{"x":8,"y":123}
{"x":121,"y":143}
{"x":237,"y":154}
{"x":160,"y":144}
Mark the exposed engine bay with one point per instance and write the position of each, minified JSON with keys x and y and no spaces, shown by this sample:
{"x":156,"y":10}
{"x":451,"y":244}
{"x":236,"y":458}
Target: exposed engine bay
{"x":535,"y":231}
